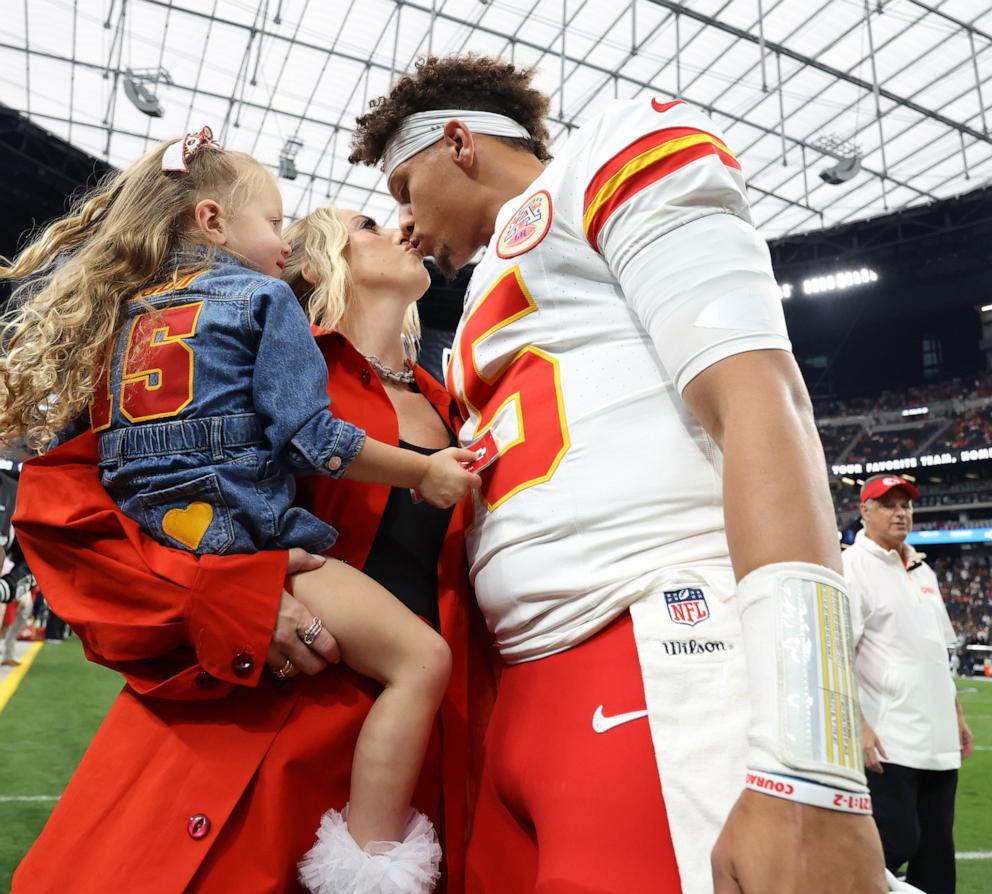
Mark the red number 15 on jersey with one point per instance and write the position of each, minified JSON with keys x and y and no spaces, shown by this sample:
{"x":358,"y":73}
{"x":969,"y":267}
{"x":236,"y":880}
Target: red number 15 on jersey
{"x":157,"y":376}
{"x":530,"y":381}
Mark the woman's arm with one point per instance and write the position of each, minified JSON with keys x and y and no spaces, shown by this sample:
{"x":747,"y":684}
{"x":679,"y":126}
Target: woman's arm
{"x":175,"y":626}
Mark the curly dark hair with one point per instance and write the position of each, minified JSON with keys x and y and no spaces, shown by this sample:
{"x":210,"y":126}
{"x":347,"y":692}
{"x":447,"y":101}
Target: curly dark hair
{"x":472,"y":82}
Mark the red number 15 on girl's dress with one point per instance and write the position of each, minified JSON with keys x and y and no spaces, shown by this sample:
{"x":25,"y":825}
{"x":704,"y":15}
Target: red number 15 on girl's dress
{"x":530,"y":380}
{"x":157,"y":375}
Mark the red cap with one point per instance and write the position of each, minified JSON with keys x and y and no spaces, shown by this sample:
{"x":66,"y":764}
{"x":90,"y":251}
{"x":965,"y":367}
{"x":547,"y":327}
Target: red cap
{"x":879,"y":485}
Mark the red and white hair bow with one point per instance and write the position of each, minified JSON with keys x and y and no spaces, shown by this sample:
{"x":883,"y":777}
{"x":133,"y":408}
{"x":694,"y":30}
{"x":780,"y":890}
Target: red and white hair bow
{"x":177,"y":155}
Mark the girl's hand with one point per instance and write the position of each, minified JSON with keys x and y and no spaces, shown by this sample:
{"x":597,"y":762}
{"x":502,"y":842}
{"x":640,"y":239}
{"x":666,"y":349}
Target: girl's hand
{"x":292,"y":620}
{"x":446,"y":480}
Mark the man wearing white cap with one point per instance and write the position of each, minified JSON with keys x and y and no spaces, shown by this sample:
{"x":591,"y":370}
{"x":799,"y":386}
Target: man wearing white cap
{"x":914,"y":732}
{"x":653,"y":553}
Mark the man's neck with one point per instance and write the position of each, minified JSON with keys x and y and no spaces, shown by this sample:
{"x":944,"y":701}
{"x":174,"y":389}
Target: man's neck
{"x":515,"y":171}
{"x":897,"y":545}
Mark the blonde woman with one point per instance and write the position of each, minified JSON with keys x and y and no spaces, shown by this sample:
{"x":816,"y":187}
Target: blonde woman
{"x":360,"y":283}
{"x":193,"y":298}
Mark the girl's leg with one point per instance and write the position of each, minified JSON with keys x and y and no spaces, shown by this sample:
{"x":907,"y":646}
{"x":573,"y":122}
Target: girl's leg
{"x":382,"y":639}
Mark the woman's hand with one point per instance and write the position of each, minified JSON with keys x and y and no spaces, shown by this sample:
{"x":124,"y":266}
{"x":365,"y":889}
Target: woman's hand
{"x":292,"y":620}
{"x":447,"y":480}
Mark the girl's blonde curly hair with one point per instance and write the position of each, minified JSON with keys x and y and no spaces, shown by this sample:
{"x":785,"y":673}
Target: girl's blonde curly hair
{"x":318,"y":273}
{"x":78,"y":273}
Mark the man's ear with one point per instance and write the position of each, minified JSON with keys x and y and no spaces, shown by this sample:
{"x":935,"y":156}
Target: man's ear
{"x":209,"y":218}
{"x":459,"y":143}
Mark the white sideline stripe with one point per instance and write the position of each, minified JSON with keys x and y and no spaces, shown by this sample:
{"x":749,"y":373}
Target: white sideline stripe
{"x":974,"y":855}
{"x":4,"y":798}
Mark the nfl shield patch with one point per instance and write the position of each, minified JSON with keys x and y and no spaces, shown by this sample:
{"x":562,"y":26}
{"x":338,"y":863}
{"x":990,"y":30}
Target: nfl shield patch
{"x":687,"y":606}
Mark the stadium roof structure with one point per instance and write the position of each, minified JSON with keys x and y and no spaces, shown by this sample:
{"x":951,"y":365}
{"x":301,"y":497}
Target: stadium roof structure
{"x":892,"y":98}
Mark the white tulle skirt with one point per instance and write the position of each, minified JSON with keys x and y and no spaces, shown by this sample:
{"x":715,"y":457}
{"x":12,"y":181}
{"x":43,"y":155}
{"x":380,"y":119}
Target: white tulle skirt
{"x":337,"y":865}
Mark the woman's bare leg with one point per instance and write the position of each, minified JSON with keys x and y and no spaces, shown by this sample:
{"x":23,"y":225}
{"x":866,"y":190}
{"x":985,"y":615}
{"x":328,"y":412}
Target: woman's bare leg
{"x":382,"y":639}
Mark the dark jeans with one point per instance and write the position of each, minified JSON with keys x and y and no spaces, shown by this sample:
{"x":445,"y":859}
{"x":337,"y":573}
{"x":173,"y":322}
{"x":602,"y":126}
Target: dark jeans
{"x":914,"y":812}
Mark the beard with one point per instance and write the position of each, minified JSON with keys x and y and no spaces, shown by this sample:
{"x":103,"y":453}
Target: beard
{"x":443,"y":262}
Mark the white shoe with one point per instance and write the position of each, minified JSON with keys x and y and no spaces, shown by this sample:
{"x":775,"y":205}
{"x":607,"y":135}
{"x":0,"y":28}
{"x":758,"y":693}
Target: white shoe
{"x":337,"y":865}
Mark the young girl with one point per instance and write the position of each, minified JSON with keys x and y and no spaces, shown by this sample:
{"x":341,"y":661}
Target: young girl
{"x":155,"y":303}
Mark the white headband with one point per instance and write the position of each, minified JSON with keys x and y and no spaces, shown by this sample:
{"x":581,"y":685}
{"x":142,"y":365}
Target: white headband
{"x":422,"y":129}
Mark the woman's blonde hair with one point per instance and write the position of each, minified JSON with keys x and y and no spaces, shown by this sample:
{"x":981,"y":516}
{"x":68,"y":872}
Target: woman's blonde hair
{"x":318,"y":273}
{"x":79,"y":272}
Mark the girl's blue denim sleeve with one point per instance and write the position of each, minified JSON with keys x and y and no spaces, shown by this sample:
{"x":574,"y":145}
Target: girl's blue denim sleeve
{"x":289,"y":388}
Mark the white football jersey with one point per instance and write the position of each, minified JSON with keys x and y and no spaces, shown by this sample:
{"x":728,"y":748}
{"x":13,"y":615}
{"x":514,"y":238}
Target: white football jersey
{"x":628,"y":267}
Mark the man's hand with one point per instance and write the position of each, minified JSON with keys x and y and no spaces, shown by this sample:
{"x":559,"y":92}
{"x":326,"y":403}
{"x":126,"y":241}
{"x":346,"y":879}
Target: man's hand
{"x":294,"y":617}
{"x":964,"y":734}
{"x":873,"y":749}
{"x":772,"y":846}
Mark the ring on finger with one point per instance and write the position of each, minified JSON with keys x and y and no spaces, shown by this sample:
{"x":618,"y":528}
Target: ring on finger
{"x":312,"y":632}
{"x":284,"y":670}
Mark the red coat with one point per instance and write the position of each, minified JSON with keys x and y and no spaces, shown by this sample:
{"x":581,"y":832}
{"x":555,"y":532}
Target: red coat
{"x":207,"y":775}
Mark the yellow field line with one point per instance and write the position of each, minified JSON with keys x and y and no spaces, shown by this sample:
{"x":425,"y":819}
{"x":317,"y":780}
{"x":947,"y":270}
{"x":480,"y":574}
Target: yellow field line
{"x":13,"y":679}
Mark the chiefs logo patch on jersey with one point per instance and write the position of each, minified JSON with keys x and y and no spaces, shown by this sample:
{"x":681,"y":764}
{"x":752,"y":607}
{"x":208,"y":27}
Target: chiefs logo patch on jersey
{"x":528,"y":226}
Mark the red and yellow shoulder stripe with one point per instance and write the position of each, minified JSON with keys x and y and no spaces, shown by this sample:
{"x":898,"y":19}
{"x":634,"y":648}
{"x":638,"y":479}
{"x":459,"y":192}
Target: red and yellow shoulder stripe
{"x":647,"y":160}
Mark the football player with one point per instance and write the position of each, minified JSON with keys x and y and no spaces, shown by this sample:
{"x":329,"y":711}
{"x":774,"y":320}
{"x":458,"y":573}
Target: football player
{"x":654,"y":547}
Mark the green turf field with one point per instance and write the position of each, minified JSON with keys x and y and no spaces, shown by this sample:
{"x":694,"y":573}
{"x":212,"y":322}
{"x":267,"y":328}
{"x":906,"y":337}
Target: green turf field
{"x":46,"y":726}
{"x":973,"y":813}
{"x":44,"y":730}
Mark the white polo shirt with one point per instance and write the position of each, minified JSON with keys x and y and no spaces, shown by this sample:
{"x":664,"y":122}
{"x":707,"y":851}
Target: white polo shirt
{"x":902,"y":634}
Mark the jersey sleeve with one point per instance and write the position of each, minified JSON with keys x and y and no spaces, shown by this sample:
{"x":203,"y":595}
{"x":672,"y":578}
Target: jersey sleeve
{"x":289,"y":389}
{"x":666,"y":206}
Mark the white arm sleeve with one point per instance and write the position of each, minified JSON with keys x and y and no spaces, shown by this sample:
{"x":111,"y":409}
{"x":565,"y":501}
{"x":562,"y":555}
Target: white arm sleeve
{"x":705,"y":292}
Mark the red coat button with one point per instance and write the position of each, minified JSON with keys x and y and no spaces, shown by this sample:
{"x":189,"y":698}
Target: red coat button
{"x":198,"y":826}
{"x":366,"y":377}
{"x":242,"y":664}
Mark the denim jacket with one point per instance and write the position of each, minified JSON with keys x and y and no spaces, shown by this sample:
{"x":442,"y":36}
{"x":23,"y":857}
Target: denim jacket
{"x":217,"y":396}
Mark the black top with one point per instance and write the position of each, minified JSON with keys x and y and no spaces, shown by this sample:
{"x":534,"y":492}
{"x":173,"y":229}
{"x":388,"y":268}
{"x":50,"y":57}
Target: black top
{"x":407,"y":545}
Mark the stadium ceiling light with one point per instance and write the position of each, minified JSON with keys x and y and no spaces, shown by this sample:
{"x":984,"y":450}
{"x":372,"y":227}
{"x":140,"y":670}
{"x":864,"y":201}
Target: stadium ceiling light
{"x":847,"y":154}
{"x":841,"y":172}
{"x":785,"y":290}
{"x":845,"y":279}
{"x":986,"y":308}
{"x":137,"y":88}
{"x":287,"y":158}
